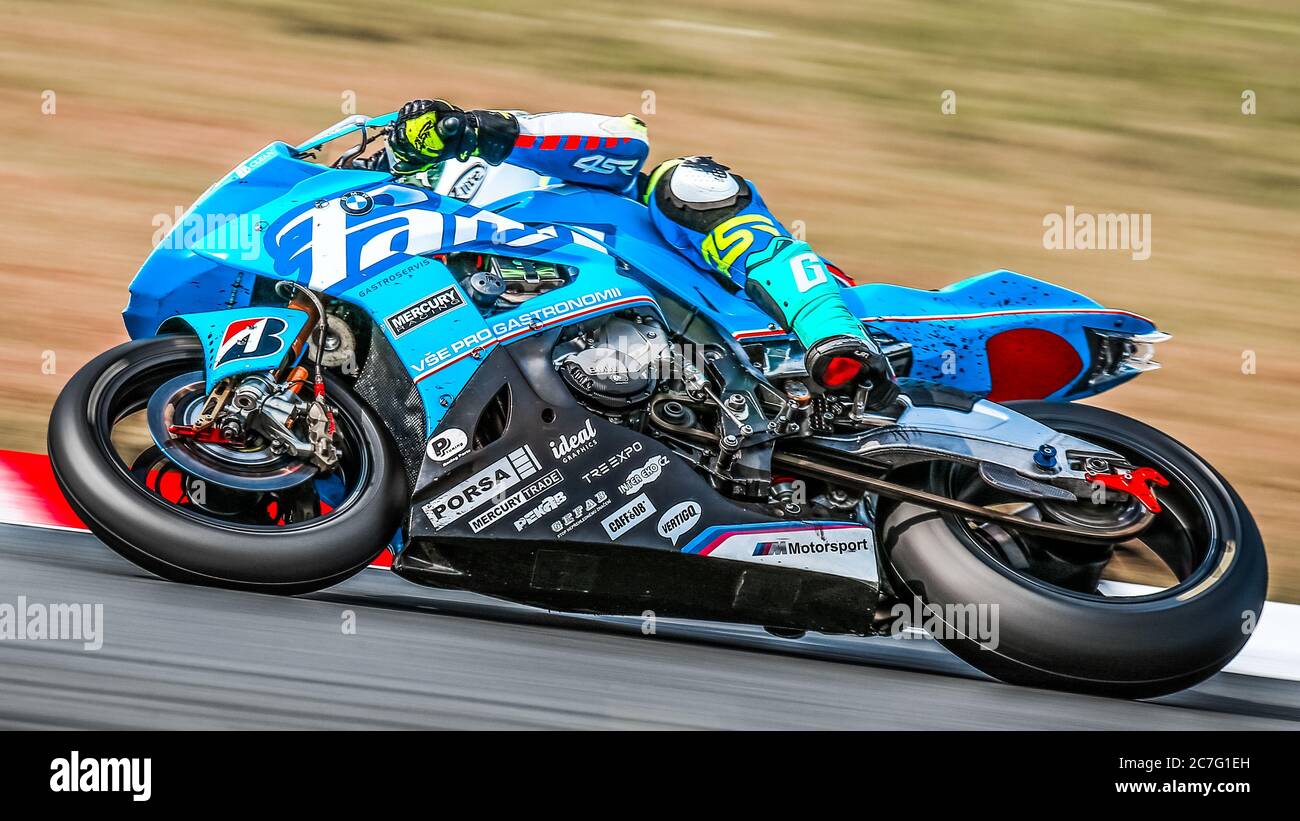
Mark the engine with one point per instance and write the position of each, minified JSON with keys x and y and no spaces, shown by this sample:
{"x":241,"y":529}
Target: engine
{"x":617,"y":363}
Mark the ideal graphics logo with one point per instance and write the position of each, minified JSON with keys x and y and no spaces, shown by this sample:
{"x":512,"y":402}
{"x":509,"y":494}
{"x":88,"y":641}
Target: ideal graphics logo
{"x":568,"y":446}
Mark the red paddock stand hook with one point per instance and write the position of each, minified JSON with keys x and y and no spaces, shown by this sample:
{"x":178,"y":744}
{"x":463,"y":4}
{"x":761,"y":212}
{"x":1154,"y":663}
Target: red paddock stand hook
{"x":1137,"y":484}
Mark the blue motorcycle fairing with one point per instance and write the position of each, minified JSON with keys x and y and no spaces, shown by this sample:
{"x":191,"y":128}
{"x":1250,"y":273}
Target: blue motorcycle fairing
{"x":367,"y":240}
{"x":949,"y":329}
{"x":623,"y":226}
{"x":363,"y":238}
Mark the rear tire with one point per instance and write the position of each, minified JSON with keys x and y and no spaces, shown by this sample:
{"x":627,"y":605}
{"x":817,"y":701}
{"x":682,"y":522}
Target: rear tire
{"x":1052,"y":637}
{"x":164,"y":539}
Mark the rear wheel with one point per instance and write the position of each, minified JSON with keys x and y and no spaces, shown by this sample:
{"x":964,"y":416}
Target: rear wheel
{"x":1147,"y":617}
{"x":261,"y":531}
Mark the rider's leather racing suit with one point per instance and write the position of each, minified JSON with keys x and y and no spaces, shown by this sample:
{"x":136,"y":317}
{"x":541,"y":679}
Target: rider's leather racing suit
{"x":714,"y":217}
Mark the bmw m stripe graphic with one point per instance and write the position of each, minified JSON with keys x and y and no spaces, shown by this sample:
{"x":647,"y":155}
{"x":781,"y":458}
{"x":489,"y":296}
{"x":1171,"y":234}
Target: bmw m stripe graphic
{"x":839,"y":548}
{"x":710,"y":539}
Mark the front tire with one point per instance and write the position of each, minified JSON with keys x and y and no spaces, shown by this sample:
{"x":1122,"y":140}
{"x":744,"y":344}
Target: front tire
{"x":175,"y":542}
{"x":1049,"y":635}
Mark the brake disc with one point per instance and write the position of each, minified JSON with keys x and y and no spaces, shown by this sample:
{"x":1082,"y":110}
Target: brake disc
{"x":179,"y":402}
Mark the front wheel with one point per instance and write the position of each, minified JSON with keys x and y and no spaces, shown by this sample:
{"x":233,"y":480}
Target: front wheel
{"x":265,"y":537}
{"x":1144,"y":618}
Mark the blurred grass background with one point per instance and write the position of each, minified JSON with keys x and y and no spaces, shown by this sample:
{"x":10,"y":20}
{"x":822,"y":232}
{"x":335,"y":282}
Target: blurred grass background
{"x":833,"y":107}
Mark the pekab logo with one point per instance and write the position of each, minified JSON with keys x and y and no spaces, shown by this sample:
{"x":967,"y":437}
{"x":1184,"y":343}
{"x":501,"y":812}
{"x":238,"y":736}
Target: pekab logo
{"x":247,"y":338}
{"x":548,"y":505}
{"x":567,"y":448}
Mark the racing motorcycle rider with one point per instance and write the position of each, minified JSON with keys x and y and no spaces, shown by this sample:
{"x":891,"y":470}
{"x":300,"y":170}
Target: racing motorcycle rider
{"x":714,"y":217}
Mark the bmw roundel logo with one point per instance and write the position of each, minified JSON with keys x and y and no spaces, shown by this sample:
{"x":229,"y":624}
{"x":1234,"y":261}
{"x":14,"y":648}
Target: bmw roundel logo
{"x":357,"y":202}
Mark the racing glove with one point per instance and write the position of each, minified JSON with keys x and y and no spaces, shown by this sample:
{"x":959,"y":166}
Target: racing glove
{"x":428,"y":132}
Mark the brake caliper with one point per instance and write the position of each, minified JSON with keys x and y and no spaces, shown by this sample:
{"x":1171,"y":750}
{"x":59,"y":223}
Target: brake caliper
{"x":1136,"y":483}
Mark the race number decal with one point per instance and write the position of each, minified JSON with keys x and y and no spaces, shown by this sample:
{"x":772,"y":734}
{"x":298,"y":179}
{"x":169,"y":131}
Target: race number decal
{"x":809,"y":272}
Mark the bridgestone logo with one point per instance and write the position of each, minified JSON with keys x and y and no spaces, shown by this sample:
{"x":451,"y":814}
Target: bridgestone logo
{"x":537,"y":488}
{"x":479,"y":489}
{"x":628,"y":516}
{"x":413,"y":316}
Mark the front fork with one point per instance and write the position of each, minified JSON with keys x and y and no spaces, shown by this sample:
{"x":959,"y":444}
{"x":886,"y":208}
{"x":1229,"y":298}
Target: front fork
{"x":269,"y":402}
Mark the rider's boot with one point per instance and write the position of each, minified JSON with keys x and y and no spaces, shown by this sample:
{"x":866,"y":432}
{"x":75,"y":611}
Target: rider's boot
{"x":718,"y":218}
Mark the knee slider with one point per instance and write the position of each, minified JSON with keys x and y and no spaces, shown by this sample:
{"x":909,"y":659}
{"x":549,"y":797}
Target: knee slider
{"x":698,"y":192}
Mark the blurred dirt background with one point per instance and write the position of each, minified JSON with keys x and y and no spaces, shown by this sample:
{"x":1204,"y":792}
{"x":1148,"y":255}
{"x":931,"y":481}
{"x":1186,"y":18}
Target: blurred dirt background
{"x":833,"y":107}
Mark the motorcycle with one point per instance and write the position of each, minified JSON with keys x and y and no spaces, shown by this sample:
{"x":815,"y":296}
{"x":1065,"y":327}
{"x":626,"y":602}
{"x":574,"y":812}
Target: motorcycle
{"x":520,"y":390}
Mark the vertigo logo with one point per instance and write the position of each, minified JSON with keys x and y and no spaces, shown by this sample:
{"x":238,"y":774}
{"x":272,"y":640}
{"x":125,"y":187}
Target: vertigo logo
{"x":679,"y":520}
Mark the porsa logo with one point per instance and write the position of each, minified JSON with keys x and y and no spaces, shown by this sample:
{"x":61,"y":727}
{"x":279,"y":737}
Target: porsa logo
{"x":249,"y":338}
{"x":478,"y":489}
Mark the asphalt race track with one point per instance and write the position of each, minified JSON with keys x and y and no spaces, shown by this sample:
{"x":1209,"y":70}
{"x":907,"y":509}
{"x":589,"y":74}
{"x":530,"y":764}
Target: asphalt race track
{"x":183,"y":657}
